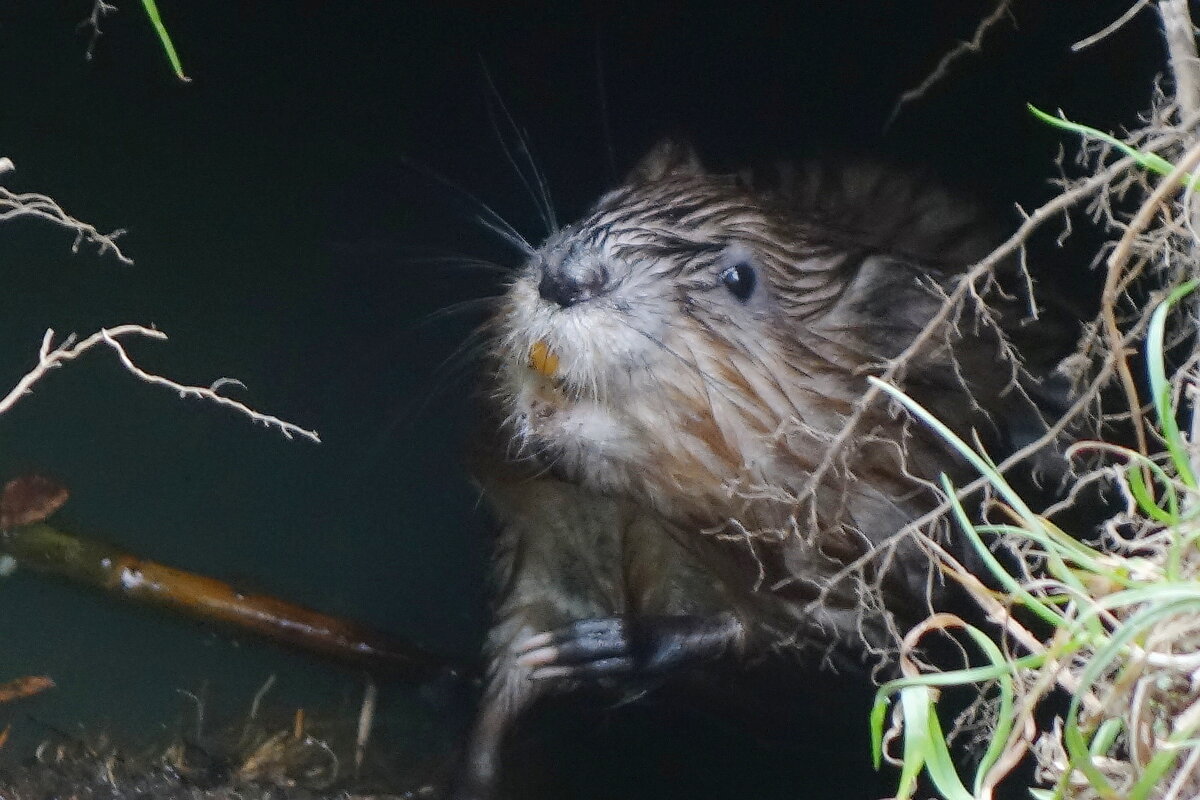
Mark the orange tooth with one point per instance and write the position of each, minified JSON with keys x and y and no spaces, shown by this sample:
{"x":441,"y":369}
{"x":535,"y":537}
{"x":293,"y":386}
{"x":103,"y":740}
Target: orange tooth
{"x":541,"y":360}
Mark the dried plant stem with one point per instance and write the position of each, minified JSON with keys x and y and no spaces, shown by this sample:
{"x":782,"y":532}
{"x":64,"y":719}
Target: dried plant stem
{"x":1115,"y":267}
{"x":1179,"y":33}
{"x":1001,"y":616}
{"x":1111,"y":28}
{"x":1180,"y":36}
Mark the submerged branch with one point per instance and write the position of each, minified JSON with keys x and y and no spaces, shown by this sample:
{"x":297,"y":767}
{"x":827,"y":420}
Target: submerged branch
{"x":37,"y":546}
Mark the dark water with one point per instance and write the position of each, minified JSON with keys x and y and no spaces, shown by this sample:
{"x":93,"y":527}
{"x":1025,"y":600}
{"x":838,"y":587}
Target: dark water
{"x":281,"y":237}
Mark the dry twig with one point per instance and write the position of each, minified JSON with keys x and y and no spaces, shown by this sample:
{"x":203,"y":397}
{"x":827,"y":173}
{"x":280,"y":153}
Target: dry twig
{"x":39,"y":206}
{"x":1002,"y":10}
{"x":51,"y":356}
{"x":100,"y":10}
{"x":1111,"y":28}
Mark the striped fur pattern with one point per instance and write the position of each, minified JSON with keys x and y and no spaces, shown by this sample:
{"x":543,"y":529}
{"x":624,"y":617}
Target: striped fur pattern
{"x":713,"y":411}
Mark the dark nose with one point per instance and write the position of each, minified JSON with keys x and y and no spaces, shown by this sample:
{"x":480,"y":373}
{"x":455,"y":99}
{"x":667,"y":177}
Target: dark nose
{"x":568,"y":287}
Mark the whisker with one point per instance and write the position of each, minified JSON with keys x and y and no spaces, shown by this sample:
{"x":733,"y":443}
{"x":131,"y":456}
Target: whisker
{"x":540,"y":196}
{"x":453,"y":368}
{"x":692,"y":365}
{"x":460,"y":307}
{"x":489,"y":218}
{"x":507,"y":234}
{"x":467,"y":262}
{"x":465,"y":355}
{"x":605,"y":122}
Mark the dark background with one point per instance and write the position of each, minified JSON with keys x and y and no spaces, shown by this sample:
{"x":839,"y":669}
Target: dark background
{"x":287,"y":232}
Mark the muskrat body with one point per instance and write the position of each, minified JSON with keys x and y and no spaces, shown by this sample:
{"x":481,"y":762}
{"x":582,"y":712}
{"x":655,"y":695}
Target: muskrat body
{"x":666,"y":376}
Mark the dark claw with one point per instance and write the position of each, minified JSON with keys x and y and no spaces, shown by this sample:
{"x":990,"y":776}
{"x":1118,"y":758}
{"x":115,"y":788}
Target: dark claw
{"x":630,"y":645}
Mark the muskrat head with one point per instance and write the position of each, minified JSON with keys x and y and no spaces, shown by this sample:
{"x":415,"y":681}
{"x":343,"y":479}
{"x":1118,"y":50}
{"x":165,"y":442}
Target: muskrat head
{"x":650,"y":348}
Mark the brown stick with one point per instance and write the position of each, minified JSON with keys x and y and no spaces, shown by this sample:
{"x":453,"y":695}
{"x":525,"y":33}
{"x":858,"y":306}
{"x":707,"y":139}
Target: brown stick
{"x":24,"y":687}
{"x":41,"y":548}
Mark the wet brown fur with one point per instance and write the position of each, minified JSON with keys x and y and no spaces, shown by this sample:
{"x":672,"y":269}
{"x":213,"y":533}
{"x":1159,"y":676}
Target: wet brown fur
{"x":693,"y":522}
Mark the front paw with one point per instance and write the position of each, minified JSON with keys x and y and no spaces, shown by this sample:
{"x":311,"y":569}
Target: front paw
{"x":627,"y":646}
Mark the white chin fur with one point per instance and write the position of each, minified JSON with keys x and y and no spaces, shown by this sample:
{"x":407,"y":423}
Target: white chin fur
{"x":577,"y":422}
{"x":582,"y":439}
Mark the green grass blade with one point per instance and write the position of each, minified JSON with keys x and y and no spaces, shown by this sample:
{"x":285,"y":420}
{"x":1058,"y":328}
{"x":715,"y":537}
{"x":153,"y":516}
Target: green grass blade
{"x":1145,"y":498}
{"x":1010,"y":584}
{"x":1106,"y":735}
{"x":1160,"y":386}
{"x":1169,"y":601}
{"x":1004,"y":716}
{"x":940,"y":765}
{"x":916,"y":702}
{"x":1153,"y":773}
{"x":878,"y":717}
{"x":981,"y":464}
{"x":1149,"y":161}
{"x":165,"y":38}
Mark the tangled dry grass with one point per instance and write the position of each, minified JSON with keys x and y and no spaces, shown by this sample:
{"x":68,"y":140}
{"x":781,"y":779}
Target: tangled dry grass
{"x":1110,"y":618}
{"x":286,"y":760}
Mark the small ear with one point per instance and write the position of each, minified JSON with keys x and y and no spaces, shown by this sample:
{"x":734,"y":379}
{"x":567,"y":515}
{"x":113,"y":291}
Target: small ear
{"x":670,"y":157}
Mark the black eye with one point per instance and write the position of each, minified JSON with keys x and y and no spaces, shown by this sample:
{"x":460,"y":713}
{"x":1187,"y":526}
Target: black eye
{"x":740,"y":280}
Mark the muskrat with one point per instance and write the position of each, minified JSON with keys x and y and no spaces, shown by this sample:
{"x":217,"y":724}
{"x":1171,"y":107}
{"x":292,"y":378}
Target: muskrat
{"x":665,"y":376}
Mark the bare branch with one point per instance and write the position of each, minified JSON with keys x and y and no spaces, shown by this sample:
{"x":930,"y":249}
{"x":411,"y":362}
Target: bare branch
{"x":960,"y":50}
{"x":52,"y":357}
{"x":1180,"y":35}
{"x":100,"y":10}
{"x":286,"y":428}
{"x":40,"y":206}
{"x":1111,"y":28}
